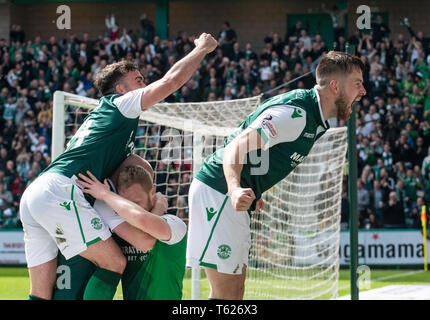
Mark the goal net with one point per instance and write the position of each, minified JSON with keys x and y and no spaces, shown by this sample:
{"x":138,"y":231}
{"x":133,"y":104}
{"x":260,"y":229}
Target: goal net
{"x":295,"y":239}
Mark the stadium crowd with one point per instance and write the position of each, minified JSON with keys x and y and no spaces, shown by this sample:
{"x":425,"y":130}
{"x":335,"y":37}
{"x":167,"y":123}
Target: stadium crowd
{"x":393,"y":120}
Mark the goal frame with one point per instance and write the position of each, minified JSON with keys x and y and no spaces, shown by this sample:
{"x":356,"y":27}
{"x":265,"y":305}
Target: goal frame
{"x":59,"y":138}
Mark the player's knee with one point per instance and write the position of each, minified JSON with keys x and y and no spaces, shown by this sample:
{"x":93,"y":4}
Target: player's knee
{"x":122,"y":262}
{"x":106,"y":255}
{"x":117,"y":263}
{"x":228,"y":290}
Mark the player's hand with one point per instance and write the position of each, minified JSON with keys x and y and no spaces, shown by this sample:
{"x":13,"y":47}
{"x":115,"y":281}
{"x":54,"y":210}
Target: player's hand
{"x":93,"y":186}
{"x":242,"y":198}
{"x":160,"y":204}
{"x":206,"y":42}
{"x":259,"y":205}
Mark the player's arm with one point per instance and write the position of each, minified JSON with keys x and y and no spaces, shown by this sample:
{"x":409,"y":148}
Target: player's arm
{"x":134,"y":214}
{"x":180,"y":72}
{"x":138,"y":238}
{"x":233,"y":159}
{"x":143,"y":241}
{"x":275,"y":125}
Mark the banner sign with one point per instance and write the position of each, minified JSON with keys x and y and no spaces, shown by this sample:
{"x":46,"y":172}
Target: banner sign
{"x":375,"y":247}
{"x":385,"y":247}
{"x":12,"y":247}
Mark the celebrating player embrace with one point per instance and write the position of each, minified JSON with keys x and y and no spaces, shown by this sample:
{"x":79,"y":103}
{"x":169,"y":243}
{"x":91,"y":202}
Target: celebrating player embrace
{"x":154,"y":243}
{"x":54,"y":211}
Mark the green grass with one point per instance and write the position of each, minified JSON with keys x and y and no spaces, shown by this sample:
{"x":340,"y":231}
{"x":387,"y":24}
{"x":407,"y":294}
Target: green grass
{"x":14,"y":282}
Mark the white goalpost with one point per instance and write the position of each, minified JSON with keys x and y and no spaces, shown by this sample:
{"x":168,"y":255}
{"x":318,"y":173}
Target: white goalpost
{"x":295,"y":240}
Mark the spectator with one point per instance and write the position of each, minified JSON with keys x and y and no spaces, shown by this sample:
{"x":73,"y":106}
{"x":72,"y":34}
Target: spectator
{"x":307,"y":41}
{"x":413,"y":219}
{"x":363,"y":203}
{"x":212,"y":88}
{"x":377,"y":201}
{"x":370,"y":120}
{"x":249,"y":53}
{"x":41,"y":146}
{"x":112,"y":27}
{"x":148,"y":30}
{"x":344,"y":211}
{"x":6,"y":197}
{"x":393,"y":213}
{"x":227,"y":34}
{"x":393,"y":125}
{"x":380,"y":30}
{"x":419,"y":151}
{"x":412,"y":186}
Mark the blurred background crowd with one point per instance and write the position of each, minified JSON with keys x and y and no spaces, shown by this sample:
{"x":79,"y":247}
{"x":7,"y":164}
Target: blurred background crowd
{"x":393,"y":120}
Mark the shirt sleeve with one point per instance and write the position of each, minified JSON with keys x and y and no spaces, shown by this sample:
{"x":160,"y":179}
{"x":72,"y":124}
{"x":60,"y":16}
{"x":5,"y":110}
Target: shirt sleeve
{"x":279,"y":124}
{"x":108,"y":215}
{"x":178,"y":228}
{"x":130,"y":104}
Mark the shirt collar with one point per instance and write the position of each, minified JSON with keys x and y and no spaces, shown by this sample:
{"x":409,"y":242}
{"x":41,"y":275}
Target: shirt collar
{"x":112,"y":186}
{"x":323,"y":122}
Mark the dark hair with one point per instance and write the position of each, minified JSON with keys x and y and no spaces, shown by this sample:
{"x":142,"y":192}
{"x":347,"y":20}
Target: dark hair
{"x":107,"y":79}
{"x":336,"y":63}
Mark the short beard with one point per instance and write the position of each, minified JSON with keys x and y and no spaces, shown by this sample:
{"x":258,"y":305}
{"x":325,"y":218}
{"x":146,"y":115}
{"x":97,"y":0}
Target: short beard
{"x":342,"y":107}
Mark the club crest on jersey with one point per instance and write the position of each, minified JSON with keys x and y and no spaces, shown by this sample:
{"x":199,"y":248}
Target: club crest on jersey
{"x":96,"y":223}
{"x":269,"y":127}
{"x":224,"y":251}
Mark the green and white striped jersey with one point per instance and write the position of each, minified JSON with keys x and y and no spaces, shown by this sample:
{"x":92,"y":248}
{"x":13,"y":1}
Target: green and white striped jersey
{"x":289,"y":123}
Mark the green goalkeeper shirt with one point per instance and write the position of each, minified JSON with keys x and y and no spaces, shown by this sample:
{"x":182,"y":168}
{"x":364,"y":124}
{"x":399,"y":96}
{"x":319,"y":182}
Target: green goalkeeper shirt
{"x":289,"y":123}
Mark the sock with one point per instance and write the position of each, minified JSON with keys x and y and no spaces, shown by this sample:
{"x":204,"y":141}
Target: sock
{"x":31,"y":297}
{"x":81,"y":270}
{"x":102,"y":285}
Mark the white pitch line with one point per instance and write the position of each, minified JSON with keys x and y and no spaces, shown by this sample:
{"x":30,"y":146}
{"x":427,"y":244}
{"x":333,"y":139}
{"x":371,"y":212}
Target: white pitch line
{"x":389,"y":277}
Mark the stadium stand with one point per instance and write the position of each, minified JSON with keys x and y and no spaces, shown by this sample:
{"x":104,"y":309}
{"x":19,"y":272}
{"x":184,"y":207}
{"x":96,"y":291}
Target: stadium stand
{"x":393,"y":120}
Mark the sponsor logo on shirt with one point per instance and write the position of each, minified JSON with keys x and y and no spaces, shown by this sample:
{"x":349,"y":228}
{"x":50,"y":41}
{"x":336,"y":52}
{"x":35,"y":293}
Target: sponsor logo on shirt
{"x":309,"y":135}
{"x":297,"y":113}
{"x":269,"y":127}
{"x":66,"y":205}
{"x":296,"y":158}
{"x":210,"y":213}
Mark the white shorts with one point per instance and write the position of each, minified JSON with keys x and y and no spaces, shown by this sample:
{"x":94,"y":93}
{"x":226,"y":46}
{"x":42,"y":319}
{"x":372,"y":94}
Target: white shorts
{"x":218,"y":236}
{"x":55,"y":215}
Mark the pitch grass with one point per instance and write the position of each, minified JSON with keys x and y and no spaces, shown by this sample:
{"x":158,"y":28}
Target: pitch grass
{"x":14,"y":282}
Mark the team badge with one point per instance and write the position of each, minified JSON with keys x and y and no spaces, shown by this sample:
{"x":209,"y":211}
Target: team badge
{"x":96,"y":223}
{"x":224,"y":251}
